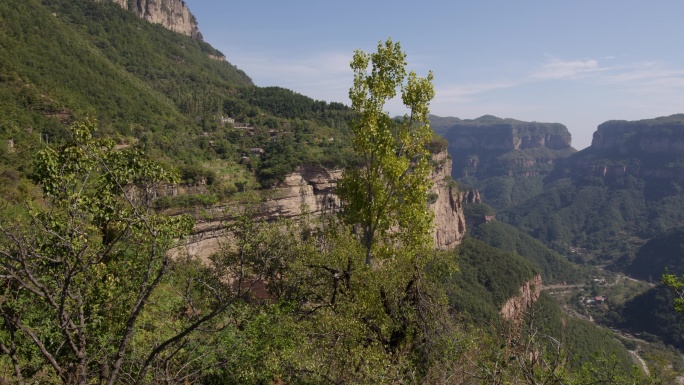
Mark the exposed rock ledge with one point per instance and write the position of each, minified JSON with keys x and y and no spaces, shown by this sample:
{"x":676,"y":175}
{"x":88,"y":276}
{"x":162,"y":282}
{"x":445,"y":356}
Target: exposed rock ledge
{"x":514,"y":309}
{"x":312,"y":188}
{"x":172,"y":14}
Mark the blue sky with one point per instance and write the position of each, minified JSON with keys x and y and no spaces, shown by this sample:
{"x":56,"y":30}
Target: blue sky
{"x":579,"y":63}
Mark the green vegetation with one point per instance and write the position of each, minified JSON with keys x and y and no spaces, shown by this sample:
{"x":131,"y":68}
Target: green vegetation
{"x":95,"y":290}
{"x":152,"y":89}
{"x":477,"y":210}
{"x":653,"y":317}
{"x":584,"y":341}
{"x":591,"y":213}
{"x":389,"y":189}
{"x":486,"y":278}
{"x":660,"y":254}
{"x":554,"y":268}
{"x":80,"y":268}
{"x":505,"y":159}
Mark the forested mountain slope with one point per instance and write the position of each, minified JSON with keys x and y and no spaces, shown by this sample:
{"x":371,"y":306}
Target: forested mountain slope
{"x":152,"y":88}
{"x":611,"y":196}
{"x":553,"y":267}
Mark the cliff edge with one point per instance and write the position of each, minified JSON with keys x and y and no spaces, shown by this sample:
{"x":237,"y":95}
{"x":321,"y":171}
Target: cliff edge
{"x":312,"y":189}
{"x":650,"y":148}
{"x":172,"y":14}
{"x":488,"y":146}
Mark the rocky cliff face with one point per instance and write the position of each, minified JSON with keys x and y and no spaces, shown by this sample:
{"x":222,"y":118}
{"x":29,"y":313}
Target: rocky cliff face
{"x":652,"y":148}
{"x":172,"y":14}
{"x":489,"y":146}
{"x":663,"y":135}
{"x":449,"y":221}
{"x":311,"y":189}
{"x":471,"y":197}
{"x":514,"y":309}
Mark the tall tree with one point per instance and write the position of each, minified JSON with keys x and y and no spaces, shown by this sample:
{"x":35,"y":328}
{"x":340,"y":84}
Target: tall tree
{"x":85,"y":271}
{"x":388,"y":191}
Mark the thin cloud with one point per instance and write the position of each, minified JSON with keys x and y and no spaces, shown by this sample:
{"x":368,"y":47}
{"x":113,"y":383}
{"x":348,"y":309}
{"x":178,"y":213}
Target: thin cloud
{"x":323,"y":76}
{"x":563,"y":69}
{"x":641,"y":75}
{"x":459,"y":93}
{"x":646,"y":74}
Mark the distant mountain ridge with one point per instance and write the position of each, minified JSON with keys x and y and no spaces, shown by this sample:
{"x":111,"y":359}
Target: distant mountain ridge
{"x":649,"y":148}
{"x":506,"y":159}
{"x":490,"y":146}
{"x":625,"y":188}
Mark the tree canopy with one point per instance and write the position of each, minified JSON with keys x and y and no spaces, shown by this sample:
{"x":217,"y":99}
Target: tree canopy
{"x":388,"y":190}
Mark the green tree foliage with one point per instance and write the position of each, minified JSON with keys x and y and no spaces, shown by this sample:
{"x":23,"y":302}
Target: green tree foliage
{"x":388,"y":190}
{"x":664,"y":252}
{"x":487,"y":277}
{"x":504,"y":192}
{"x":329,"y":318}
{"x":150,"y":88}
{"x":554,"y":268}
{"x":87,"y":270}
{"x":594,"y":213}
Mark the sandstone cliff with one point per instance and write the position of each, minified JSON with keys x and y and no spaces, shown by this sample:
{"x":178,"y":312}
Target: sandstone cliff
{"x":515,"y":308}
{"x":489,"y":146}
{"x":313,"y":189}
{"x":652,"y":148}
{"x":449,"y":220}
{"x":172,"y":14}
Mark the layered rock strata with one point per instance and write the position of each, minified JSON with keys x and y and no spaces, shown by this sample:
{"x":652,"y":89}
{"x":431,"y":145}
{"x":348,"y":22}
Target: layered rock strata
{"x":311,"y":190}
{"x":489,"y":146}
{"x":650,"y":149}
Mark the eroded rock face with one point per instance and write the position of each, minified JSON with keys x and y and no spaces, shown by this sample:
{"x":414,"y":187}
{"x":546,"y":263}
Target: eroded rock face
{"x":489,"y":146}
{"x":172,"y":14}
{"x":449,"y":222}
{"x":514,"y":309}
{"x":650,"y":149}
{"x":663,"y":135}
{"x":311,"y":190}
{"x":471,"y":197}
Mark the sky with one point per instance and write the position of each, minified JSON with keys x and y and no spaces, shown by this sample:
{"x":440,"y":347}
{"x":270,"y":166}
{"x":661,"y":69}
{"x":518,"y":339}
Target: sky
{"x":575,"y":62}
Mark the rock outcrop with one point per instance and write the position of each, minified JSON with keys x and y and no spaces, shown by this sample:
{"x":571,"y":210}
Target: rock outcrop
{"x":172,"y":14}
{"x":449,"y":221}
{"x":651,"y":149}
{"x":311,"y":190}
{"x":489,"y":146}
{"x":664,"y":135}
{"x":471,"y":197}
{"x":515,"y":308}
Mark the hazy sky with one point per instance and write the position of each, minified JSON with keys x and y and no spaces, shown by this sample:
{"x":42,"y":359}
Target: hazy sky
{"x":579,"y":63}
